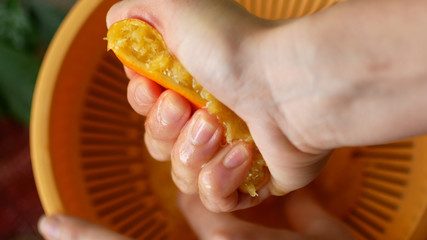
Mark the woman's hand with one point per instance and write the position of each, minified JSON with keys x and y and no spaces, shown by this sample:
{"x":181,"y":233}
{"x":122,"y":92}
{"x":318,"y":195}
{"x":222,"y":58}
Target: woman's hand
{"x":218,"y":42}
{"x":304,"y":87}
{"x":308,"y":220}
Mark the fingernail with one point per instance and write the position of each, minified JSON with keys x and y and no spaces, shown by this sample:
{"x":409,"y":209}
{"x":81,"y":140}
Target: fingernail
{"x":49,"y":226}
{"x":143,"y":97}
{"x":202,"y":131}
{"x":236,"y":157}
{"x":170,"y":111}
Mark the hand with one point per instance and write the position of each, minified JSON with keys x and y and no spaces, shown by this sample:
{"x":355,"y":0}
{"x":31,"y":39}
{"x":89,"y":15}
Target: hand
{"x":199,"y":33}
{"x":308,"y":220}
{"x":62,"y":227}
{"x":303,"y":87}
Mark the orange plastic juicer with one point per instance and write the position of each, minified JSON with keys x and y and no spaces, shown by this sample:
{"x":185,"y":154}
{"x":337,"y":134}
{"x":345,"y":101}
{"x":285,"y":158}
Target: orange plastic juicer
{"x":90,"y":161}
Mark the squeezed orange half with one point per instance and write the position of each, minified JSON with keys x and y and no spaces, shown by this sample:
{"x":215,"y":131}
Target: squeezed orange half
{"x":141,"y":48}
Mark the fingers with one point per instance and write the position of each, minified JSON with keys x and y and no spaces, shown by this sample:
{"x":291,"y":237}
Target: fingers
{"x":161,"y":129}
{"x":193,"y":146}
{"x":220,"y":178}
{"x":61,"y":227}
{"x":201,"y":165}
{"x":198,"y":166}
{"x":196,"y":145}
{"x":164,"y":123}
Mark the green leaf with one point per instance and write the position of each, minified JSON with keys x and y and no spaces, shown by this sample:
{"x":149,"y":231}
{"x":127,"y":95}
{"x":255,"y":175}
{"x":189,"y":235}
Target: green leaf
{"x":26,"y":28}
{"x":16,"y":28}
{"x":18,"y":72}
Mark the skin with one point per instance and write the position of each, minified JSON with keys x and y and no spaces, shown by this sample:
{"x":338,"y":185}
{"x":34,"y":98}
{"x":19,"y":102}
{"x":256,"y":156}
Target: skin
{"x":342,"y":77}
{"x":308,"y":220}
{"x":351,"y":75}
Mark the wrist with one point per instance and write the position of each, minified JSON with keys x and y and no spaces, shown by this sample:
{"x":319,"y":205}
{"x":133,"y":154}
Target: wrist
{"x":362,"y":75}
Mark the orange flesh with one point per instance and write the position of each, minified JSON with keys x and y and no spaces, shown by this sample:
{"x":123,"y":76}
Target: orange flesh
{"x":141,"y":48}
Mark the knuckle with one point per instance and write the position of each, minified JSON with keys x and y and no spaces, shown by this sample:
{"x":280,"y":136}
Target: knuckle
{"x":184,"y":153}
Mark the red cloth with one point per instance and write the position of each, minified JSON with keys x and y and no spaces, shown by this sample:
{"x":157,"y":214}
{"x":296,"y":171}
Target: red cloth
{"x":20,"y":206}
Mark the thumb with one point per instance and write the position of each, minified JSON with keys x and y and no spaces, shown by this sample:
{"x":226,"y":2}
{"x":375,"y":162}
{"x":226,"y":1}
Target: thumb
{"x":208,"y":37}
{"x":61,"y":227}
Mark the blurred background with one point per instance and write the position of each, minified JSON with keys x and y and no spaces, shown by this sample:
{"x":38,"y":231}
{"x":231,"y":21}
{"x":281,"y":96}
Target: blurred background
{"x":26,"y":28}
